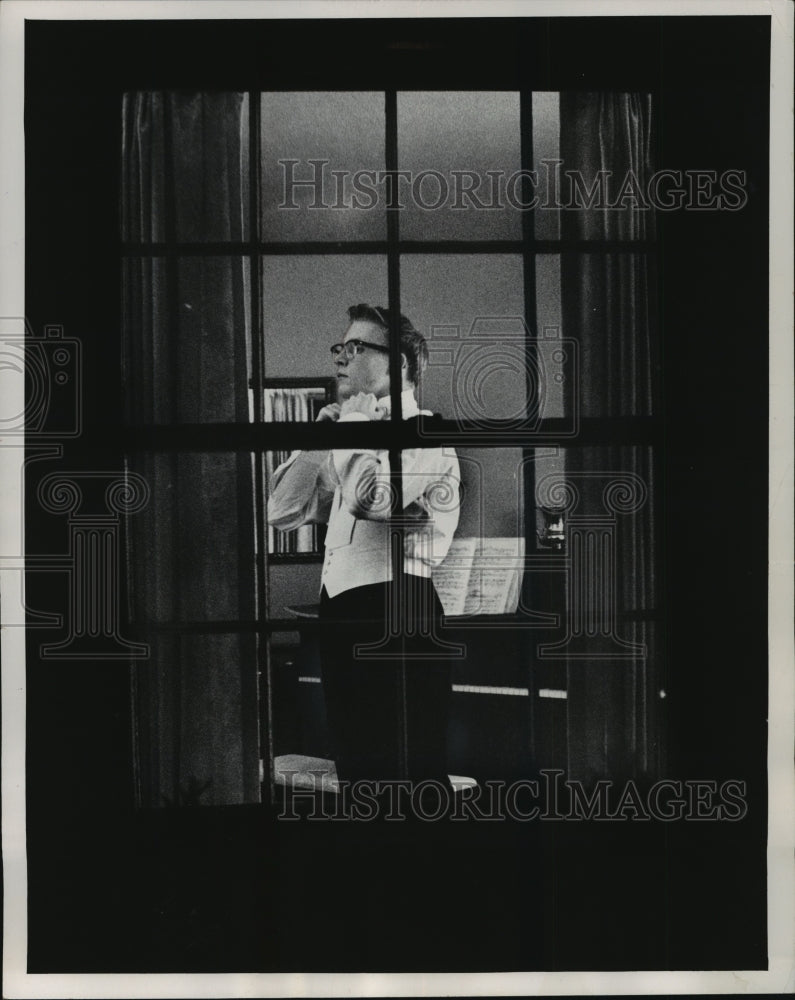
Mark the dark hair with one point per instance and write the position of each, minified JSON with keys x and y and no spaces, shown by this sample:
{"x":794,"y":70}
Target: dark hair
{"x":412,"y":342}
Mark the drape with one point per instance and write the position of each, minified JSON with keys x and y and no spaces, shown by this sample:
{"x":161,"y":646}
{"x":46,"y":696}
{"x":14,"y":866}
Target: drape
{"x":609,"y":308}
{"x":186,"y":328}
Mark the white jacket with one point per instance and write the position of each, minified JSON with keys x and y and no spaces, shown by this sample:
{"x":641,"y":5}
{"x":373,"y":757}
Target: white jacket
{"x":350,"y":489}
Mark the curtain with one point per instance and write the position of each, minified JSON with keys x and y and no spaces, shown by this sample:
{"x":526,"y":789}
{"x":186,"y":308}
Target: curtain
{"x":609,"y":308}
{"x":186,"y":331}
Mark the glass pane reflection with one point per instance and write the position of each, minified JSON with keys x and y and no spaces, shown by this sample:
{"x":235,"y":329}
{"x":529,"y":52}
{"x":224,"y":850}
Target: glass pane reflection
{"x":316,"y":148}
{"x":304,"y":308}
{"x":471,"y":310}
{"x":451,"y":143}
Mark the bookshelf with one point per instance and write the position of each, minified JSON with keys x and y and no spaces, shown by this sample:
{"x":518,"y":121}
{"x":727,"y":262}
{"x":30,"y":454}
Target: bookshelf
{"x":294,"y":400}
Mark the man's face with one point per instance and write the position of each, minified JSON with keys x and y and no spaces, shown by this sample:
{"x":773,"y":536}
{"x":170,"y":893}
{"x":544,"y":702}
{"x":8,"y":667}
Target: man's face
{"x":369,"y":370}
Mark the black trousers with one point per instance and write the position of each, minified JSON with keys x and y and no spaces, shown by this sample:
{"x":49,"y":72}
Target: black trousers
{"x":386,"y":713}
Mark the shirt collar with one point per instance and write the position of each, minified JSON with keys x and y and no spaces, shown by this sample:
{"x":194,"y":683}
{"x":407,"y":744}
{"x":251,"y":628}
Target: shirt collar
{"x":408,"y":404}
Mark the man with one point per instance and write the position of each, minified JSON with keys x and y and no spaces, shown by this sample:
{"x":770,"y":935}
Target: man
{"x":387,"y":713}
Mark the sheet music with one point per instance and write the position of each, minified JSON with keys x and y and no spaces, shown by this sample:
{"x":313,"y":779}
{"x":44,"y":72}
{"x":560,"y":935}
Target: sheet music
{"x":481,"y":576}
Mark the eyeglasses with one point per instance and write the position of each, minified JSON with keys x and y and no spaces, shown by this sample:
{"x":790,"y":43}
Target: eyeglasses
{"x":354,"y":347}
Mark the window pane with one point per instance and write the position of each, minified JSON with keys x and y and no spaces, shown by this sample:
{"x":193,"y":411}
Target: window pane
{"x":293,"y":584}
{"x":609,"y":490}
{"x":145,"y":321}
{"x":558,"y":370}
{"x":546,"y":153}
{"x":191,"y":547}
{"x":451,"y":142}
{"x":187,"y":152}
{"x":298,"y":712}
{"x":211,"y":168}
{"x":195,"y":706}
{"x":609,"y":309}
{"x":471,"y":309}
{"x":304,"y":307}
{"x":334,"y":141}
{"x":608,"y":500}
{"x":606,"y":182}
{"x":190,"y":367}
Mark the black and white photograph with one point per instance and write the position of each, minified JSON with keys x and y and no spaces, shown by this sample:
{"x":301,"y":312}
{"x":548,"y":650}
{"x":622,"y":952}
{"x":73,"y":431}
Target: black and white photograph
{"x":396,"y":498}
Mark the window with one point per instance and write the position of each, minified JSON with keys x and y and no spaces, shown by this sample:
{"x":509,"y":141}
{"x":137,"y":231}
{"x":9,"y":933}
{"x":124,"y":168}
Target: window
{"x":251,"y":221}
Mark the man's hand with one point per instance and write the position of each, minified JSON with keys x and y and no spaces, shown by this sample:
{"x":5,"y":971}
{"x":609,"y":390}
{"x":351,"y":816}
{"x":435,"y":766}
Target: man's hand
{"x":330,"y":412}
{"x":362,"y":402}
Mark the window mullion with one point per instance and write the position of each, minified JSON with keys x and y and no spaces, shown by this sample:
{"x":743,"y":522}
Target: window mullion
{"x":397,"y":531}
{"x":260,"y":502}
{"x":531,"y":362}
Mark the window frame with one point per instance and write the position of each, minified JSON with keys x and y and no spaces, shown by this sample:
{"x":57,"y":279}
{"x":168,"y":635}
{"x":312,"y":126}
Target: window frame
{"x":258,"y":437}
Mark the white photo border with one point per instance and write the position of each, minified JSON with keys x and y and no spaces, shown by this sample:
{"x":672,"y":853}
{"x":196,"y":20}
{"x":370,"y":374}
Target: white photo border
{"x":780,"y":976}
